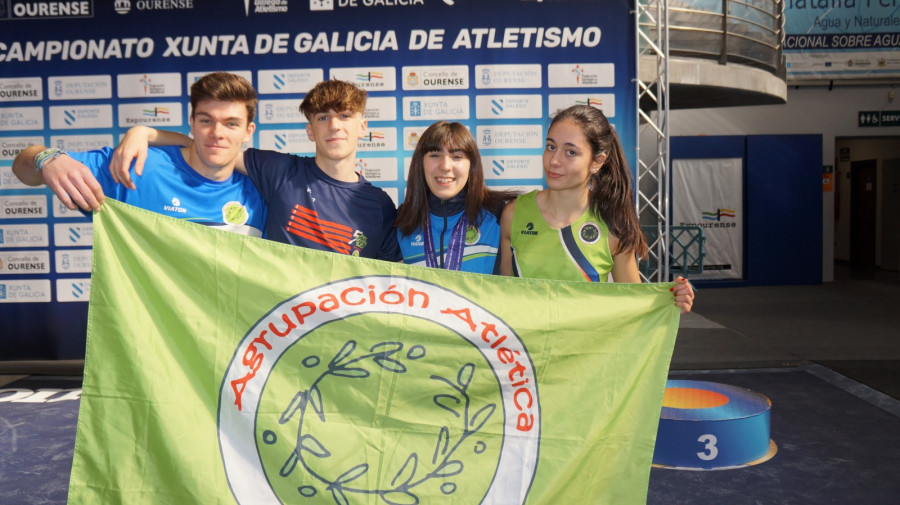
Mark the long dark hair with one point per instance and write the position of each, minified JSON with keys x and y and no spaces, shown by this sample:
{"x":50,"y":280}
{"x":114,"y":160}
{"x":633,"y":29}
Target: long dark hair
{"x":610,"y":196}
{"x":443,"y":134}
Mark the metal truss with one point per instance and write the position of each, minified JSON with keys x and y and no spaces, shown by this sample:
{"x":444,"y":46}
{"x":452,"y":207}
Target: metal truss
{"x":653,"y":188}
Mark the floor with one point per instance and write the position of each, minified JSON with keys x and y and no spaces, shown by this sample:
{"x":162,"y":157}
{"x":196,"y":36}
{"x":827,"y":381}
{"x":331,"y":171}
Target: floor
{"x":827,"y":356}
{"x":850,"y":325}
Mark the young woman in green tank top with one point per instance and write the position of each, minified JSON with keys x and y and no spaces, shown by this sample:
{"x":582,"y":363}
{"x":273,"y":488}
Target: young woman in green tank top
{"x":584,"y":226}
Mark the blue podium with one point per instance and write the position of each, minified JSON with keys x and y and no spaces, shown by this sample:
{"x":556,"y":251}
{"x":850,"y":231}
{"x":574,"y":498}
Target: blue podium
{"x":711,"y":426}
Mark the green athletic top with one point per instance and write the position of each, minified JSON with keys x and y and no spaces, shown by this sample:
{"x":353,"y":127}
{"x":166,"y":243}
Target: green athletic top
{"x":578,"y":252}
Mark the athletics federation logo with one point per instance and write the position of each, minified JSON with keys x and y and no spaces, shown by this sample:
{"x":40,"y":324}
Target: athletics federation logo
{"x":449,"y":423}
{"x":579,"y":73}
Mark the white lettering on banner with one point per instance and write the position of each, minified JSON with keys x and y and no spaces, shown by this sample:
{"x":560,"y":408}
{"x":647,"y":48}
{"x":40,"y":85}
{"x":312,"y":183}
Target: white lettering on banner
{"x":301,"y":43}
{"x":163,"y":4}
{"x":50,"y":50}
{"x":351,"y":41}
{"x":206,"y":46}
{"x":380,"y":3}
{"x":21,"y":395}
{"x":269,"y":6}
{"x":525,"y":38}
{"x":51,"y":9}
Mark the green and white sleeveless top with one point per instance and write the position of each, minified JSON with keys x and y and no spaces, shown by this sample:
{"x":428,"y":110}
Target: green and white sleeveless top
{"x":578,"y":252}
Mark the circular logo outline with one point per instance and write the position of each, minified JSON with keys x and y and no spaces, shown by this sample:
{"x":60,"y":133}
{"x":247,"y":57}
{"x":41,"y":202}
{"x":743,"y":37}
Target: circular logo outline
{"x":589,"y":233}
{"x":235,"y":213}
{"x":498,"y":343}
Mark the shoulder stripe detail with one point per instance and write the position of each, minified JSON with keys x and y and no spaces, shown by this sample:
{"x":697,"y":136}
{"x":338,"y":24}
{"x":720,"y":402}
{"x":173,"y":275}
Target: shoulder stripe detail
{"x":576,"y":256}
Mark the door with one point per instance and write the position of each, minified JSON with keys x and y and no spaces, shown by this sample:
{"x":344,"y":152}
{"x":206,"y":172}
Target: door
{"x":862,"y":213}
{"x":890,"y":214}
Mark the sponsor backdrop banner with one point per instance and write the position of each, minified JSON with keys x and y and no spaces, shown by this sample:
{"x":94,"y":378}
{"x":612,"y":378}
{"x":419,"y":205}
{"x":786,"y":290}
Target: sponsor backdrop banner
{"x":246,"y":371}
{"x":842,"y":39}
{"x":77,"y":74}
{"x":709,"y":193}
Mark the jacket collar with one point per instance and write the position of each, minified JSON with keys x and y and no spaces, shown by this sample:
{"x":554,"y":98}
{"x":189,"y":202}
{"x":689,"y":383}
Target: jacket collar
{"x":450,"y":207}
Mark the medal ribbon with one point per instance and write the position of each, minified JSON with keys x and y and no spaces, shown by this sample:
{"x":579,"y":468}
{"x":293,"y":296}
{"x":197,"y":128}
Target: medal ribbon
{"x":453,"y":260}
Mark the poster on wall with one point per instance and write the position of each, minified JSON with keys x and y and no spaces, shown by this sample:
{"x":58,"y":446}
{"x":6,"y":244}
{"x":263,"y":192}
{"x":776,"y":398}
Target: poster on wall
{"x":77,"y":74}
{"x":841,"y":39}
{"x":708,"y":193}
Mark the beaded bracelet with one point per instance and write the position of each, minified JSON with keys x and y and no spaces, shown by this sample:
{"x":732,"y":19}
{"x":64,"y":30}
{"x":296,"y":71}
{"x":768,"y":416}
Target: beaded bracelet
{"x":47,"y":155}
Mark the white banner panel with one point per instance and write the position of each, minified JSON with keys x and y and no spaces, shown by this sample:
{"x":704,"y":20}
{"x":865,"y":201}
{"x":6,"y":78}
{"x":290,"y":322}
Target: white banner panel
{"x":709,"y":193}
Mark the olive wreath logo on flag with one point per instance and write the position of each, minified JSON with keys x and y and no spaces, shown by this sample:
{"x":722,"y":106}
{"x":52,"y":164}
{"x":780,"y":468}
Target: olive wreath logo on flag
{"x":379,"y":389}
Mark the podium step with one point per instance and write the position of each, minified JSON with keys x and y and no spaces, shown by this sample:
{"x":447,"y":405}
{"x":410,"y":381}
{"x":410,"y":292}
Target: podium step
{"x":712,"y":426}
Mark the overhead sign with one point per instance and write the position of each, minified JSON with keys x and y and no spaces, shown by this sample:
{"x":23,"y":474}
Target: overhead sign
{"x":841,"y":39}
{"x":873,"y":118}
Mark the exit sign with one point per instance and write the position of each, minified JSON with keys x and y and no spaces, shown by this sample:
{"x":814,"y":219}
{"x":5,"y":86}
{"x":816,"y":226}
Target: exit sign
{"x":870,"y":118}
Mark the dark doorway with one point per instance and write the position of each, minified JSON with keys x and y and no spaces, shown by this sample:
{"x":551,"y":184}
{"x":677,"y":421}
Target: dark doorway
{"x":890,"y":214}
{"x":862,"y":213}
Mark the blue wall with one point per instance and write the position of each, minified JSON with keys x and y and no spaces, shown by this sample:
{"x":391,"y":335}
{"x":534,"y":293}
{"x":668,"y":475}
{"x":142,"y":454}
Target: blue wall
{"x":782,"y":203}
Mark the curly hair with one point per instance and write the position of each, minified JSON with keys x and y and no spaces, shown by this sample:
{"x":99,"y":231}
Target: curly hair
{"x":333,"y":95}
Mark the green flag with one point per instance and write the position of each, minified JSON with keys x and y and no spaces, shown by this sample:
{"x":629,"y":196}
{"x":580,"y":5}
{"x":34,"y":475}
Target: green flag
{"x":227,"y":369}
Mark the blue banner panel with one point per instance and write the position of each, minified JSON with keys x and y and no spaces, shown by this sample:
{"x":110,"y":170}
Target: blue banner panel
{"x":77,"y":74}
{"x":784,"y":206}
{"x":842,"y":39}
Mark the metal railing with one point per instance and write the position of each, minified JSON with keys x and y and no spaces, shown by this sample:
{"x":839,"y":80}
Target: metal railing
{"x":749,"y":32}
{"x":685,"y":250}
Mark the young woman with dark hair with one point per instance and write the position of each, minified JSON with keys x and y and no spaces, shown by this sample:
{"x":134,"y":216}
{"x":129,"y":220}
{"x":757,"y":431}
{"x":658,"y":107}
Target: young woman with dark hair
{"x":584,"y":226}
{"x":449,"y":218}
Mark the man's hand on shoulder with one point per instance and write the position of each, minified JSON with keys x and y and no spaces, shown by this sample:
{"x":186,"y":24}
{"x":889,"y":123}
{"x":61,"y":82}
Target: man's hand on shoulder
{"x":73,"y":183}
{"x":134,"y":146}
